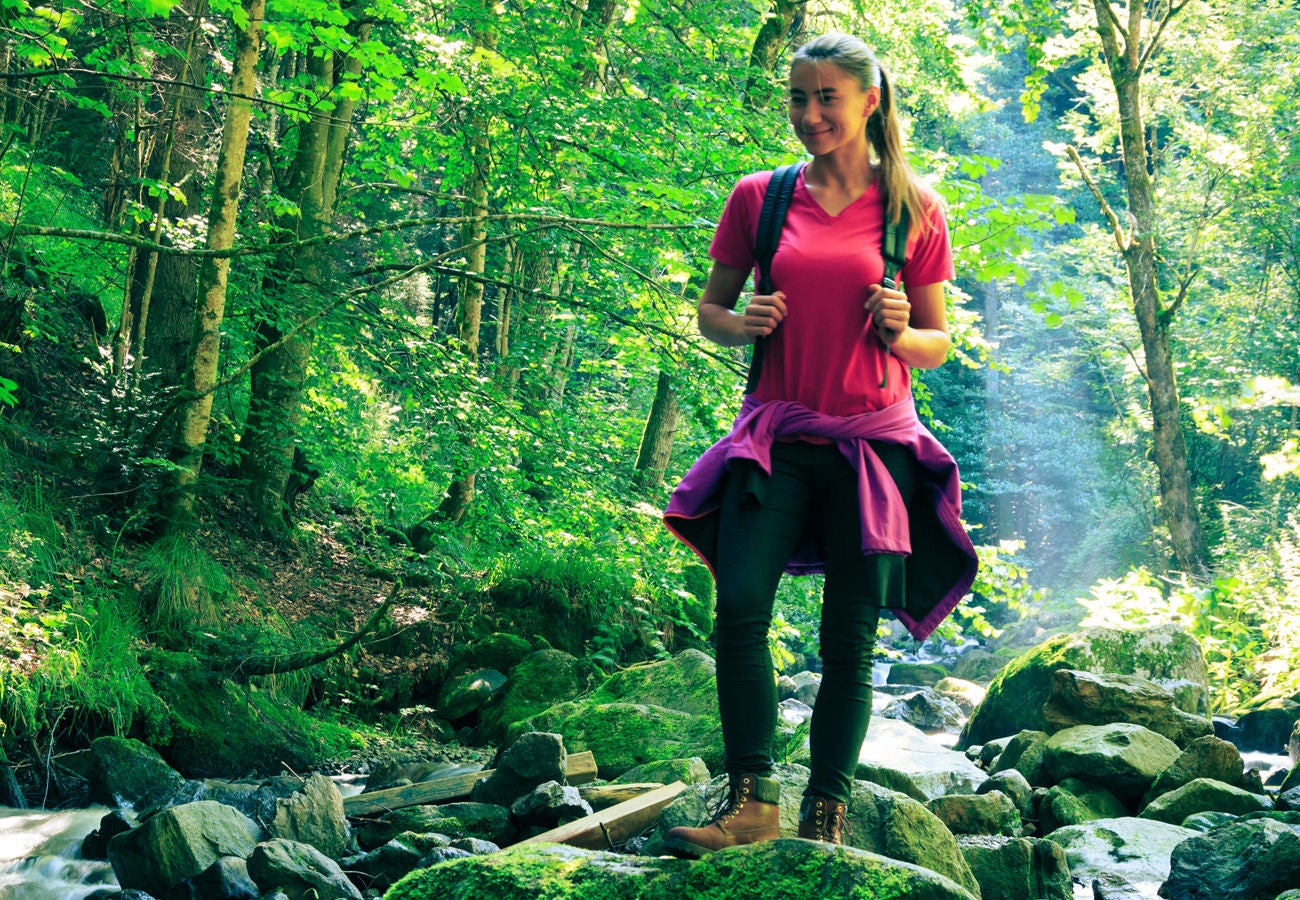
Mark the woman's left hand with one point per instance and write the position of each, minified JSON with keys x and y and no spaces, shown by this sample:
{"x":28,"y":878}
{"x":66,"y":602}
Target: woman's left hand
{"x":889,"y":313}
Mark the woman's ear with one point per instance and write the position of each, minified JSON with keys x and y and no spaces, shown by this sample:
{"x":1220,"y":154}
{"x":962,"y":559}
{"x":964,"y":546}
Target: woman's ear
{"x":873,"y":101}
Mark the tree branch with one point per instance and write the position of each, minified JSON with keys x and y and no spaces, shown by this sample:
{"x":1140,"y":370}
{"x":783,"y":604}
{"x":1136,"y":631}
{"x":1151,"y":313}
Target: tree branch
{"x":132,"y":240}
{"x":290,"y":662}
{"x":1121,"y":240}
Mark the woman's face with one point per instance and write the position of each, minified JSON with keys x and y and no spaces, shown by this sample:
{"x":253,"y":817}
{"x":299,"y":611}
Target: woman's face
{"x":829,"y":107}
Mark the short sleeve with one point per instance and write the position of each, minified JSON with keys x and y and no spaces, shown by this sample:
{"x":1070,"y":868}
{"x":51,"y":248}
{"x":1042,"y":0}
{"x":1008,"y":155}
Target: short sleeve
{"x":733,"y":241}
{"x":929,"y":256}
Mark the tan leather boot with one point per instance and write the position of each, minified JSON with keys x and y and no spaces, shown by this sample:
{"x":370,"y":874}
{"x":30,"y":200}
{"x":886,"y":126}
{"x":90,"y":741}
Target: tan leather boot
{"x":751,"y":813}
{"x":822,"y":819}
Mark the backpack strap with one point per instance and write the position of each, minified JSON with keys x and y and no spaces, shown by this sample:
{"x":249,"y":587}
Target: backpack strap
{"x":893,"y":247}
{"x":771,"y":219}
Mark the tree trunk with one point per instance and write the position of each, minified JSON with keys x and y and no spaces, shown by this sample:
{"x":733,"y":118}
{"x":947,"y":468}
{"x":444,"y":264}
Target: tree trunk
{"x":178,"y":501}
{"x":768,"y":44}
{"x":164,"y":292}
{"x":1178,"y":510}
{"x":469,"y":313}
{"x":299,"y":280}
{"x":657,"y":438}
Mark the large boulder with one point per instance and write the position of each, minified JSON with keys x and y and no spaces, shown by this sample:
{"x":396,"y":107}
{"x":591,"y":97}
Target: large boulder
{"x":1017,"y":868}
{"x":540,"y":681}
{"x":125,"y":772}
{"x":312,"y":815}
{"x":180,"y":843}
{"x":1166,"y":655}
{"x":1248,"y":860}
{"x":991,"y":813}
{"x":1204,"y":795}
{"x":1205,"y":757}
{"x":1134,"y":852}
{"x":1125,"y":758}
{"x":1268,"y":728}
{"x":1087,"y":698}
{"x":787,"y":868}
{"x":299,"y":871}
{"x":654,"y":711}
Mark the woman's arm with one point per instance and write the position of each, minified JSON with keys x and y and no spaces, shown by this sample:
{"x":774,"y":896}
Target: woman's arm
{"x":913,"y":325}
{"x":718,"y":320}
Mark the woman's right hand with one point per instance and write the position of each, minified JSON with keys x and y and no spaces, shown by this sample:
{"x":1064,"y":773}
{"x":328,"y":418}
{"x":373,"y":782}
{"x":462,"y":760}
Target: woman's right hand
{"x":762,"y":314}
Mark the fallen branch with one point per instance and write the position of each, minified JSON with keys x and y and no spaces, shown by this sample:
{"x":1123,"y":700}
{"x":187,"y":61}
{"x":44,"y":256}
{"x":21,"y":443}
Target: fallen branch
{"x":290,"y":662}
{"x":580,"y":768}
{"x":610,"y":827}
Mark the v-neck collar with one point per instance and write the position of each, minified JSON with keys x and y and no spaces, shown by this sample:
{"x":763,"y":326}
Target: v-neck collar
{"x":822,"y":214}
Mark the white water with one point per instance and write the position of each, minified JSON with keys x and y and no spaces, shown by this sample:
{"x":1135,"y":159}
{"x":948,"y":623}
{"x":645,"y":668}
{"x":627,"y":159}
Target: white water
{"x":40,"y":855}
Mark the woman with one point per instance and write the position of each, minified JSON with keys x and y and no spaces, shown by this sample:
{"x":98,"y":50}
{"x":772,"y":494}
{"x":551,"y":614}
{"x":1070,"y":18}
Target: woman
{"x":827,"y":468}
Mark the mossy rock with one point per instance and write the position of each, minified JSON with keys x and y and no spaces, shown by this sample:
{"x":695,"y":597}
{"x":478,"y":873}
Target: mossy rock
{"x":666,"y":771}
{"x":498,"y":651}
{"x":220,"y":729}
{"x":625,"y":735}
{"x":787,"y":869}
{"x":541,"y":680}
{"x":925,"y":674}
{"x":646,"y":713}
{"x":1166,"y":655}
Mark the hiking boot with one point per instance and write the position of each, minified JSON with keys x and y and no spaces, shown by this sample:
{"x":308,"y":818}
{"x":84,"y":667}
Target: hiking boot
{"x":822,"y":819}
{"x":750,"y":813}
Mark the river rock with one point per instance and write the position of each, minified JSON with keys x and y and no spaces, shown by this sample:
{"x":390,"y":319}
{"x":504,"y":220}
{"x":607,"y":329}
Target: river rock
{"x":382,"y":867}
{"x":1014,"y":785}
{"x":1133,"y":851}
{"x":918,"y":673}
{"x":928,"y":711}
{"x":550,"y":804}
{"x":422,"y":820}
{"x":461,"y":696}
{"x":806,"y":686}
{"x":1289,"y":799}
{"x":485,"y":821}
{"x":1024,"y":753}
{"x":1073,"y":802}
{"x":533,"y":758}
{"x":1088,"y":698}
{"x":1204,"y":795}
{"x":979,"y":665}
{"x":313,"y":815}
{"x":179,"y":843}
{"x":1268,"y":728}
{"x":1205,"y":757}
{"x":1165,"y":654}
{"x":95,"y":844}
{"x":991,"y":813}
{"x":299,"y":870}
{"x":1124,"y":757}
{"x":1248,"y":860}
{"x":126,"y":772}
{"x":1017,"y":868}
{"x":541,"y":680}
{"x":902,"y":757}
{"x":787,"y":868}
{"x":227,"y":878}
{"x":966,"y":694}
{"x":661,"y":710}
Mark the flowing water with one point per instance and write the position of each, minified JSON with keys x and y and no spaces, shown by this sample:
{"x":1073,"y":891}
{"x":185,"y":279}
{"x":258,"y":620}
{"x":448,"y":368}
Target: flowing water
{"x":40,"y":855}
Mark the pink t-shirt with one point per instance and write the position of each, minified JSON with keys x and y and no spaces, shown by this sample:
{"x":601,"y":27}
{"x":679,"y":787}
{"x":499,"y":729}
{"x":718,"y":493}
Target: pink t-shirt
{"x":822,"y":354}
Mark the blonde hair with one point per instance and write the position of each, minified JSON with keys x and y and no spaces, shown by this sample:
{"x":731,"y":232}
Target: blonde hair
{"x":898,"y":184}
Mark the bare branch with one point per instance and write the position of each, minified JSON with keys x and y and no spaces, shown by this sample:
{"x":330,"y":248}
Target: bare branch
{"x":1121,"y":240}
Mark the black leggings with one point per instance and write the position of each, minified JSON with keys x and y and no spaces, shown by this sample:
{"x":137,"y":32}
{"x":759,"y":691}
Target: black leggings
{"x":811,"y":486}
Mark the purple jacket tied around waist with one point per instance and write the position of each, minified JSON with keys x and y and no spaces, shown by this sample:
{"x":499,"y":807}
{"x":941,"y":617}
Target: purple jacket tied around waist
{"x":928,"y":530}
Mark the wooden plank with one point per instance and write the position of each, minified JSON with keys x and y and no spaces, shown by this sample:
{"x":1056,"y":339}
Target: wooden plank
{"x":609,"y":827}
{"x":580,"y":769}
{"x":602,"y":796}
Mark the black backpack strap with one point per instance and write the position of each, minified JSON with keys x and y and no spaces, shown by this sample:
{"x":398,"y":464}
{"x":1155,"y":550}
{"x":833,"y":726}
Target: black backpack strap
{"x":893,"y":248}
{"x":771,"y":219}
